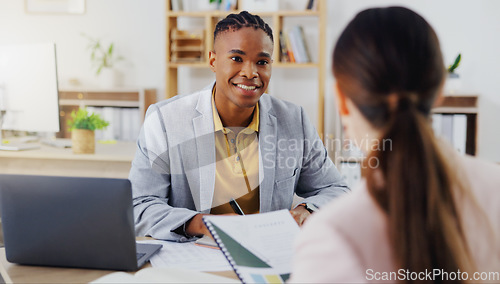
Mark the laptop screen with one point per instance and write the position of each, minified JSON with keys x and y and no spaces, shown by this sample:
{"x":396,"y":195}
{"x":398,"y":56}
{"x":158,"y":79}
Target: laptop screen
{"x":68,"y":221}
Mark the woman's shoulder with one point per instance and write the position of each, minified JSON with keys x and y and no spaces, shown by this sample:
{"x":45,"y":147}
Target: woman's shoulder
{"x":476,"y":170}
{"x":349,"y":234}
{"x":481,"y":169}
{"x":351,"y":213}
{"x":483,"y":178}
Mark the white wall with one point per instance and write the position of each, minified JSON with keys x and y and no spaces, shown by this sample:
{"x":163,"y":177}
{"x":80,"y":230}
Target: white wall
{"x":137,"y":28}
{"x":466,"y":26}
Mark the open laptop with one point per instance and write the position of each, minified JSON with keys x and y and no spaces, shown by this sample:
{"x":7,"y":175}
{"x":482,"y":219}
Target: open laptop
{"x":70,"y":222}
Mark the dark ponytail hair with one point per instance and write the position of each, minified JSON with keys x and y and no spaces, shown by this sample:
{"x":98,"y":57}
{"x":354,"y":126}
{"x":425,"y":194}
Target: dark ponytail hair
{"x":388,"y":62}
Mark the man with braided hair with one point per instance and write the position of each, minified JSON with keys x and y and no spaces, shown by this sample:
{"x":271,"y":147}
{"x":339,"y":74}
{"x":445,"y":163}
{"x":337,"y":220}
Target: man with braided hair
{"x":230,"y":140}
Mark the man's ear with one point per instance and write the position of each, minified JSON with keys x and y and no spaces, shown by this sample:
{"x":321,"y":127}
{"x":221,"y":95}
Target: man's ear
{"x":341,"y":100}
{"x":211,"y":60}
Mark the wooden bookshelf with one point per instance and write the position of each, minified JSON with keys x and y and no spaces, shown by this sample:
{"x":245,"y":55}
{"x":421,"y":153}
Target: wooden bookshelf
{"x":462,"y":104}
{"x":72,"y":99}
{"x":211,"y":18}
{"x":459,"y":104}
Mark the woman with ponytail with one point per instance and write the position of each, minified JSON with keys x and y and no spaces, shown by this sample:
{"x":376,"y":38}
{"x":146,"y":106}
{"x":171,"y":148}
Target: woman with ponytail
{"x":423,"y":212}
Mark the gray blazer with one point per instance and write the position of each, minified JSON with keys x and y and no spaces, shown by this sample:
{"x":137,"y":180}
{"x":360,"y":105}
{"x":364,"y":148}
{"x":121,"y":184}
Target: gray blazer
{"x":173,"y":172}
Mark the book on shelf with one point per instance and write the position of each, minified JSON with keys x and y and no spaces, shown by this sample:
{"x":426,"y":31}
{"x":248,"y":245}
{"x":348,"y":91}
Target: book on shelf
{"x":283,"y":49}
{"x":116,"y":128}
{"x":452,"y":128}
{"x":259,"y":247}
{"x":437,"y":122}
{"x":288,"y":44}
{"x":299,"y":44}
{"x":108,"y":115}
{"x":188,"y":5}
{"x":299,"y":30}
{"x":312,"y":5}
{"x":130,"y":124}
{"x":176,"y":5}
{"x":459,"y":132}
{"x":447,"y":128}
{"x":125,"y":124}
{"x":228,"y":5}
{"x":294,"y":44}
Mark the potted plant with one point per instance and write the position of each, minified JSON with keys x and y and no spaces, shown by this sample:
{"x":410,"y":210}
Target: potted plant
{"x":103,"y":59}
{"x":83,"y":124}
{"x":453,"y":83}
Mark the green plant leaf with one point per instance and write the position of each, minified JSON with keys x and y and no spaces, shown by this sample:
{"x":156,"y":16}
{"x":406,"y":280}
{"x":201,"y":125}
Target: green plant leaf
{"x":455,"y":64}
{"x":82,"y":119}
{"x":110,"y":49}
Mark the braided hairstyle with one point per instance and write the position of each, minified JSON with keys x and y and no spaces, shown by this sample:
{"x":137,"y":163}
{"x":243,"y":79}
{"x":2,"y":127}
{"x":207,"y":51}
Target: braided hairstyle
{"x":234,"y":22}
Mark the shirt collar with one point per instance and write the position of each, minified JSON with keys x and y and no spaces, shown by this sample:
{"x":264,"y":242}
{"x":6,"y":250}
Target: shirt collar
{"x":254,"y":124}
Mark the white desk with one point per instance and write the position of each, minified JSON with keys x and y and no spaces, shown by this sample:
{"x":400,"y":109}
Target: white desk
{"x":109,"y":160}
{"x":15,"y":273}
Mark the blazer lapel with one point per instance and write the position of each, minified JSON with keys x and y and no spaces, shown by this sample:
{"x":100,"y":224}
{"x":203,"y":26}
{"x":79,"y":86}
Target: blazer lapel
{"x":205,"y":146}
{"x":267,"y":152}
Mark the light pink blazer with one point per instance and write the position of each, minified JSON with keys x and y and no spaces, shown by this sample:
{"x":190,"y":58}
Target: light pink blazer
{"x":349,"y":235}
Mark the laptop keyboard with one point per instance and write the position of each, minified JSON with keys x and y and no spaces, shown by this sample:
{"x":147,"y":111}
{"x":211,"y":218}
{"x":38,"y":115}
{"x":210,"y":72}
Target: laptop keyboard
{"x":139,"y":255}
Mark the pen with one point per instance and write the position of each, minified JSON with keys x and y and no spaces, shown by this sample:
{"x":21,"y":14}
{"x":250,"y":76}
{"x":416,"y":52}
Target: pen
{"x":236,"y":207}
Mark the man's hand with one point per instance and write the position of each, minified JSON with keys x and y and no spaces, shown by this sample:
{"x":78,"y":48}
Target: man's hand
{"x":300,"y":214}
{"x":196,"y":227}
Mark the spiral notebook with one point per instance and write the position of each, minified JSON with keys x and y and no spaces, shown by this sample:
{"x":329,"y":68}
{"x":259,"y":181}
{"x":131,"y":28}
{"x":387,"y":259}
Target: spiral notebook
{"x":259,"y":247}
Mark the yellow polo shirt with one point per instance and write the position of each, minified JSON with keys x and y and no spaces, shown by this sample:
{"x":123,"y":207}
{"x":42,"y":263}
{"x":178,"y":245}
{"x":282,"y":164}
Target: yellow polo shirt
{"x":237,"y":165}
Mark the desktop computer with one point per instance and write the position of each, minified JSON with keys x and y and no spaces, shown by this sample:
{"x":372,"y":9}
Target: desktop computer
{"x":29,"y":99}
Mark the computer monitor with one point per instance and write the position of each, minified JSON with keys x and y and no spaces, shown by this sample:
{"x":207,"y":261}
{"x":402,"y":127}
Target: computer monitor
{"x":29,"y":99}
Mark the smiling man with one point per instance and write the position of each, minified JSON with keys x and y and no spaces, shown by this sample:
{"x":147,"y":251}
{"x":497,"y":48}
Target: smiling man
{"x":197,"y":152}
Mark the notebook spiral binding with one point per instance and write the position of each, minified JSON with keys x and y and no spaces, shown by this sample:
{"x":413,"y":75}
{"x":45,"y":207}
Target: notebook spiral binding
{"x":223,"y":248}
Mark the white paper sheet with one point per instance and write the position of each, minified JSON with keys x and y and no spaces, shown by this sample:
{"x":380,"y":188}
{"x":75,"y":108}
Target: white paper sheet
{"x":269,"y":236}
{"x":188,"y":256}
{"x":163,"y":275}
